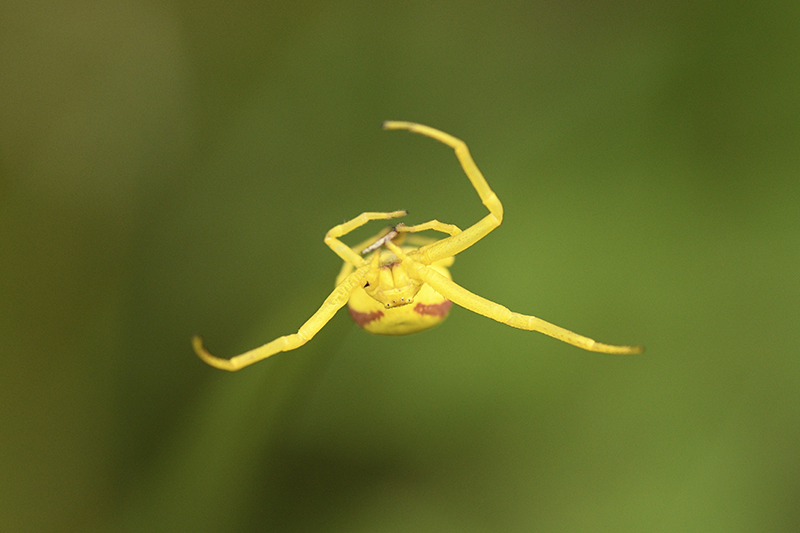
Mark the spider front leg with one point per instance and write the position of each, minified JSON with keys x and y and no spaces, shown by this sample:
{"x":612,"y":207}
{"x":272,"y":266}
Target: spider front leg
{"x":347,"y":282}
{"x":457,"y":243}
{"x":344,"y":251}
{"x":337,"y":299}
{"x":477,"y":304}
{"x":433,"y":225}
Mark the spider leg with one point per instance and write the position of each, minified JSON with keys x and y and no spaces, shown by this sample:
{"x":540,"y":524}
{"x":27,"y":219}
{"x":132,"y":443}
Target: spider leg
{"x":477,"y":304}
{"x":422,"y":241}
{"x":347,"y":269}
{"x":391,"y":233}
{"x":335,"y":301}
{"x":457,"y":243}
{"x":434,"y":225}
{"x":344,"y":251}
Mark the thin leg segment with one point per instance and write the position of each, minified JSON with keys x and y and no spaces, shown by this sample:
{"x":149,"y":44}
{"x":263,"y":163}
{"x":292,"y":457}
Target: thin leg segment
{"x":344,"y":251}
{"x":337,"y":299}
{"x":434,"y":225}
{"x":477,"y":304}
{"x":457,"y":243}
{"x":409,"y":237}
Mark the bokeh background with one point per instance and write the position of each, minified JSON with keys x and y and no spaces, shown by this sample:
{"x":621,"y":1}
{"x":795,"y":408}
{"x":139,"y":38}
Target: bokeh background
{"x":170,"y":168}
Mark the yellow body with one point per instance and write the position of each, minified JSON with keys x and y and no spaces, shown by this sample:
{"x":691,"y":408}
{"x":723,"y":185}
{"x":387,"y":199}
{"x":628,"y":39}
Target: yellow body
{"x":427,"y":308}
{"x":403,"y":289}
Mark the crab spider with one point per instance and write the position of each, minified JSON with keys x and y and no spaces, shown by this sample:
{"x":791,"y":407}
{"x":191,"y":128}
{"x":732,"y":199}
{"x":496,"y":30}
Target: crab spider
{"x":398,"y":282}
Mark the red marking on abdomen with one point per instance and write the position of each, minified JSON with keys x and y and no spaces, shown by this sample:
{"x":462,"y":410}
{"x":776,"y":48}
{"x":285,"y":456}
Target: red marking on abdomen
{"x":362,"y":319}
{"x":434,"y":309}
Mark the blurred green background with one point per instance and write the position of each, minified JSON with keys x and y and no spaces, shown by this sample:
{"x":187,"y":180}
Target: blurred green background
{"x":170,"y":168}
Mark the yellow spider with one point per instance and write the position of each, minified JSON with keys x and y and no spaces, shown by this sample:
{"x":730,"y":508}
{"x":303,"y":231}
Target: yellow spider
{"x":405,"y":287}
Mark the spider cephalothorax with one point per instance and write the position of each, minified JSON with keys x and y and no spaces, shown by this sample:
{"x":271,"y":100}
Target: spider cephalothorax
{"x":391,"y":302}
{"x":398,"y":282}
{"x":388,"y":282}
